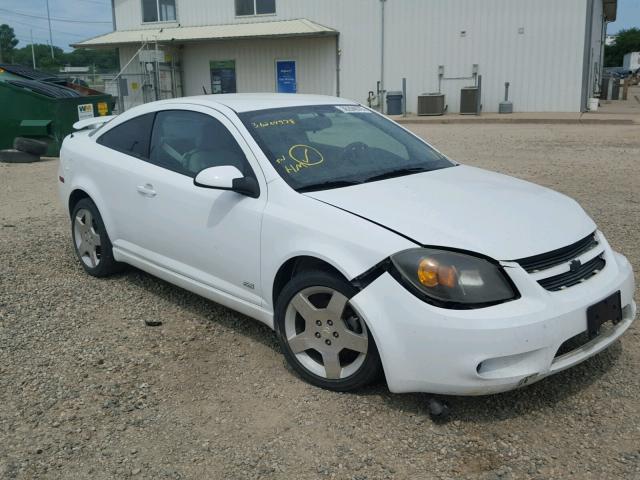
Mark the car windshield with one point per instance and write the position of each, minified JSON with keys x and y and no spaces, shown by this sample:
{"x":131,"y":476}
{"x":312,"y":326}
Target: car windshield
{"x":328,"y":146}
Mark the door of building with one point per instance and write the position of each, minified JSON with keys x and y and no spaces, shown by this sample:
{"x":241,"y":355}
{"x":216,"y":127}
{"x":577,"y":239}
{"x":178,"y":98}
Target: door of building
{"x":223,"y":76}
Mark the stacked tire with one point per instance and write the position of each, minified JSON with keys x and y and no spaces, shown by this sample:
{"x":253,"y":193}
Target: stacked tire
{"x":25,"y":150}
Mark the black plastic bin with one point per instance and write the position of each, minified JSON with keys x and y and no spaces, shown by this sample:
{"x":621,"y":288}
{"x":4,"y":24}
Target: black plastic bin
{"x":394,"y":103}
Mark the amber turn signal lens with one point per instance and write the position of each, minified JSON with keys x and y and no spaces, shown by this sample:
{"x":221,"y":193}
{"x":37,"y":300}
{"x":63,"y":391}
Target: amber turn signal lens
{"x":428,"y":272}
{"x":431,"y":274}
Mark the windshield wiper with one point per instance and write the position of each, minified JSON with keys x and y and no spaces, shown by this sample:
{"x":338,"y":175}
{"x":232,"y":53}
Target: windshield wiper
{"x":396,"y":173}
{"x":327,"y":185}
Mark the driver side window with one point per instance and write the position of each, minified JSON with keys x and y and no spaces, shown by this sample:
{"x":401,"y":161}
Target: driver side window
{"x":188,"y":142}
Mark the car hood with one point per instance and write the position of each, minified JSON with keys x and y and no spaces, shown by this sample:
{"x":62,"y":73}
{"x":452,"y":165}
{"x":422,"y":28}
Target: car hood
{"x":468,"y":208}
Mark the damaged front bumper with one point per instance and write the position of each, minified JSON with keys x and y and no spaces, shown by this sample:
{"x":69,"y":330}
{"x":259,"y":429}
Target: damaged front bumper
{"x":425,"y":348}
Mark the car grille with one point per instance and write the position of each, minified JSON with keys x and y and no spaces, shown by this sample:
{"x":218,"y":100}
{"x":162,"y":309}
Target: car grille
{"x":576,"y":272}
{"x":571,"y":278}
{"x":560,"y":256}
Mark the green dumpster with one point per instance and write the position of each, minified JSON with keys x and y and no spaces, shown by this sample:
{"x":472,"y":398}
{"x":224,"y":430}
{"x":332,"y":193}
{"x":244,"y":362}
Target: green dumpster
{"x":45,"y":111}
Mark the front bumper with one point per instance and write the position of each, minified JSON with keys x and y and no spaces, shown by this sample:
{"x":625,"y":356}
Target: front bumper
{"x":477,"y":352}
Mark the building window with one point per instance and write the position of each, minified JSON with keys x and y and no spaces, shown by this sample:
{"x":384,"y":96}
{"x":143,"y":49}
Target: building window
{"x":255,"y":7}
{"x":158,"y":11}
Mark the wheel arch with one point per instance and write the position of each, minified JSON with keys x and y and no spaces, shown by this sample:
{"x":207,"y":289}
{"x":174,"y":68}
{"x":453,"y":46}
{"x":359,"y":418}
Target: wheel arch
{"x":298,"y":264}
{"x":75,"y":196}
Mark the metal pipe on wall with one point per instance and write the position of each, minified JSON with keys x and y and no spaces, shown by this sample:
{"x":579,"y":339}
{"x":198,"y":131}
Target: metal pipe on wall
{"x":603,"y":39}
{"x":338,"y":65}
{"x":157,"y":71}
{"x":381,"y":96}
{"x":587,"y":88}
{"x":404,"y":97}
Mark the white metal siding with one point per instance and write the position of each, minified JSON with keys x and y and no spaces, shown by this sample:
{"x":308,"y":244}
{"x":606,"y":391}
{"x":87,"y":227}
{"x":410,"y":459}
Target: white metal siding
{"x":255,"y":64}
{"x":544,"y":65}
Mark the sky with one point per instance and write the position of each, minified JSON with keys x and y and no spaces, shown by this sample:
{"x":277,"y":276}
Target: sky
{"x":628,"y":16}
{"x":21,"y":15}
{"x":93,"y":17}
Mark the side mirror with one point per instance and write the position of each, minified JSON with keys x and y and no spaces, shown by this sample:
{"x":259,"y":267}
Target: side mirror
{"x":227,"y":177}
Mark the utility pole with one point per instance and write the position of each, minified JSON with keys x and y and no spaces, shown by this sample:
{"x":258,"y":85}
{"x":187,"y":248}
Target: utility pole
{"x":33,"y":52}
{"x":50,"y":34}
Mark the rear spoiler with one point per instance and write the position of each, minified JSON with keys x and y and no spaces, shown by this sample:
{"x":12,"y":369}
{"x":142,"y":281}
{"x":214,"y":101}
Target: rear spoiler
{"x":91,"y":123}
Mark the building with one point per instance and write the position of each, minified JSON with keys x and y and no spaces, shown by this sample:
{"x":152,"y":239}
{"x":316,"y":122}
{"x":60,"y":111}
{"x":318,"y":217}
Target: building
{"x":549,"y":51}
{"x":75,"y":70}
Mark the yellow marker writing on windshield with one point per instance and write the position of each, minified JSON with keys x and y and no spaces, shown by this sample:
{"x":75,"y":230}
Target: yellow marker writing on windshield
{"x":305,"y":154}
{"x":274,"y":123}
{"x":300,"y":156}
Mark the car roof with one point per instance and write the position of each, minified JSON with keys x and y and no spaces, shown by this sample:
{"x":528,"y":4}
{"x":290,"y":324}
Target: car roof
{"x":246,"y":102}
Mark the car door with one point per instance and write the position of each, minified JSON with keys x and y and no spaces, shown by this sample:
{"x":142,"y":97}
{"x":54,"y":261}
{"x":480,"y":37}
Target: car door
{"x":211,"y":236}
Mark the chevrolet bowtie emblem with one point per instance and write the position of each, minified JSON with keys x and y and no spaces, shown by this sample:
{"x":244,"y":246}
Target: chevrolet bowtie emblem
{"x":575,"y":265}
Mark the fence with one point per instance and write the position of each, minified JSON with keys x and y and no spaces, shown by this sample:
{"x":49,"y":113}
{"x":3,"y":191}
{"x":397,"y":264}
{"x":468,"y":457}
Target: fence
{"x":132,"y":89}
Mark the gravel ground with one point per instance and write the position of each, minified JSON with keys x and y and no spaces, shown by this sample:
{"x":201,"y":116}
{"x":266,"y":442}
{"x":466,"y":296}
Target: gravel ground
{"x":88,"y":391}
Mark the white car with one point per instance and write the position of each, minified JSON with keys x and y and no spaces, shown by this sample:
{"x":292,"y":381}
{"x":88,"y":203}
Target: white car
{"x":367,"y":250}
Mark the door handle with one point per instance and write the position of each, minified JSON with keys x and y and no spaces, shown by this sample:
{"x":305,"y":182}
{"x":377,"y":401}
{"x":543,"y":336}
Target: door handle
{"x":147,"y":190}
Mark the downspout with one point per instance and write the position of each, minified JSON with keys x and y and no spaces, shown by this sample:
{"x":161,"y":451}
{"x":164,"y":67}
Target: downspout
{"x":338,"y":65}
{"x":113,"y":21}
{"x":586,"y":68}
{"x":157,"y":72}
{"x":603,"y":39}
{"x":382,"y":91}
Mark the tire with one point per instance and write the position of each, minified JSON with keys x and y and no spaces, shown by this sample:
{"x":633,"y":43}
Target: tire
{"x":30,"y":145}
{"x":91,"y":243}
{"x":15,"y":156}
{"x":316,"y":325}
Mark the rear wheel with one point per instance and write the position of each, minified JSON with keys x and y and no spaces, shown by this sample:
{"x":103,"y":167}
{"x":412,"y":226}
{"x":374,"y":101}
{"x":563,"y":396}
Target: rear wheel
{"x":90,"y":240}
{"x":322,"y":335}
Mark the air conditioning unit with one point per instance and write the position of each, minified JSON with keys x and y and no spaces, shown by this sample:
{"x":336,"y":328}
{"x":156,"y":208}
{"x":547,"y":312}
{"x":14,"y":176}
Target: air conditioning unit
{"x":470,"y":101}
{"x":431,"y":104}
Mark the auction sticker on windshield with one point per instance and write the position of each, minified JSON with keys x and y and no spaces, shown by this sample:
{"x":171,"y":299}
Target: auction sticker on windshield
{"x":352,"y":109}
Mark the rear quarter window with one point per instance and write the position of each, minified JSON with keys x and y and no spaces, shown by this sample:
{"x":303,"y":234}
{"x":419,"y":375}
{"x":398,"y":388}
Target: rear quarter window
{"x":131,"y":137}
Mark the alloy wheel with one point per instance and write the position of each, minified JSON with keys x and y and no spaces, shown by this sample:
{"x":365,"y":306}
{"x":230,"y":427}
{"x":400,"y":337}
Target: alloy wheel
{"x":325,"y":333}
{"x":87,"y":238}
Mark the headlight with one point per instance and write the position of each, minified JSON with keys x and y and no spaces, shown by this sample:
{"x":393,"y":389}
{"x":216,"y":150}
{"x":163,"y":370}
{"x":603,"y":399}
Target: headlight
{"x":451,"y":279}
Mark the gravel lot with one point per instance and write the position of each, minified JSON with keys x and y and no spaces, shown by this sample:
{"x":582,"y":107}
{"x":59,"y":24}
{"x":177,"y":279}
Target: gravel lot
{"x":88,"y":391}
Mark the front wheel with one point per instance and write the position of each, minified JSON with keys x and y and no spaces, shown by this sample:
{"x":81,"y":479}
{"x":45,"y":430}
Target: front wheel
{"x":322,"y":335}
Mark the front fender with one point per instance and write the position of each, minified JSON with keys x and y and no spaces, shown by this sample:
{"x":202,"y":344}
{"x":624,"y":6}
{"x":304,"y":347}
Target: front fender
{"x":295,"y":225}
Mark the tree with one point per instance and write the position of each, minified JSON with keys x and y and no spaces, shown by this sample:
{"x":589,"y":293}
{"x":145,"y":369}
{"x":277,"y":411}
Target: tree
{"x":22,"y":56}
{"x":8,"y":42}
{"x":103,"y":60}
{"x":626,"y":41}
